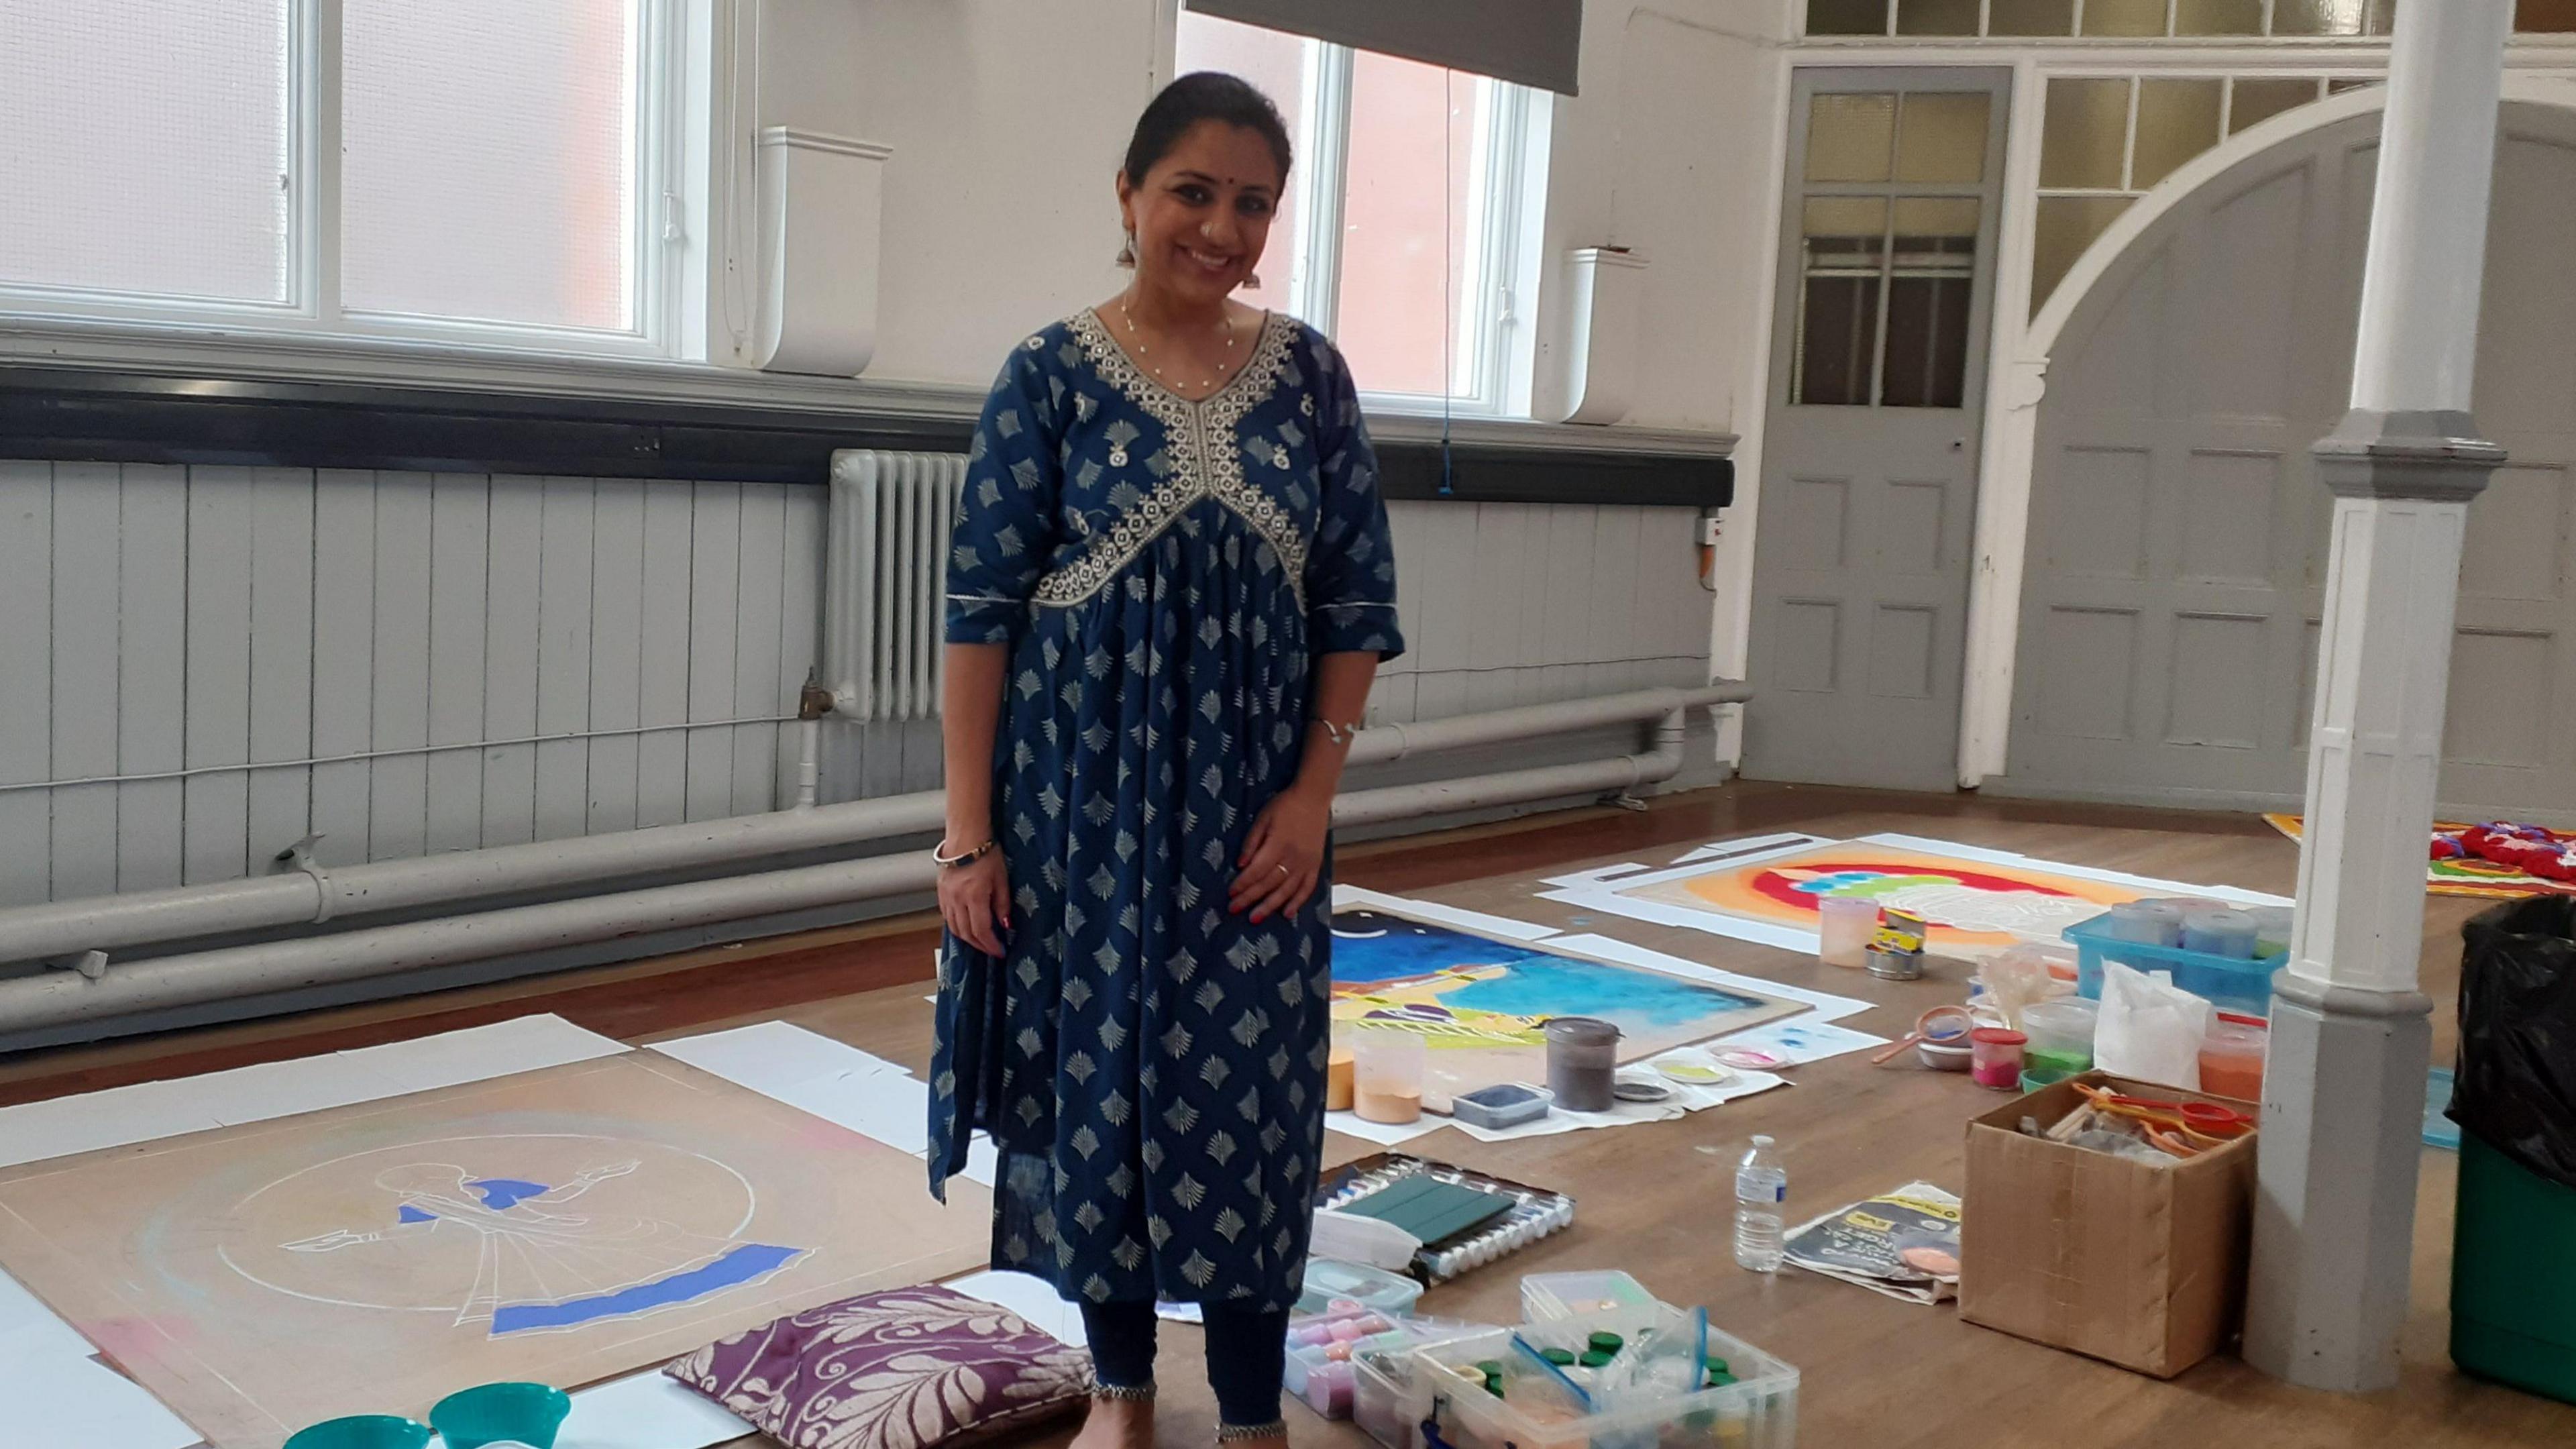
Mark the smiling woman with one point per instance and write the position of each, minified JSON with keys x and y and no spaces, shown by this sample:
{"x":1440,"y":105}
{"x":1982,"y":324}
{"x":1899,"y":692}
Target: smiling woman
{"x":1170,"y":587}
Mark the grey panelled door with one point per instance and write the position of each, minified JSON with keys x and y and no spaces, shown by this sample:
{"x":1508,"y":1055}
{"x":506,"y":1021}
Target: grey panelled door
{"x":2177,"y":550}
{"x":1860,"y":556}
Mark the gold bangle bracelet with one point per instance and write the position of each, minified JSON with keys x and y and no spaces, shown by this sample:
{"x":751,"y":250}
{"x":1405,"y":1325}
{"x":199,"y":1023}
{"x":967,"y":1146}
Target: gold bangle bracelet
{"x":951,"y":862}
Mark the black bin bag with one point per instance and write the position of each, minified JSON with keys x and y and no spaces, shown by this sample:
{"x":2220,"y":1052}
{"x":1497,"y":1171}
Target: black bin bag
{"x":2516,"y":1085}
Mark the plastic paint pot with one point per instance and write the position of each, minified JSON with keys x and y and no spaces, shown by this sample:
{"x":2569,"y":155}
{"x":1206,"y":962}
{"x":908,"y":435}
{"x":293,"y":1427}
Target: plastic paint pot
{"x":2060,"y":1032}
{"x":1843,"y":928}
{"x":530,"y":1414}
{"x":2231,"y":1060}
{"x":1582,"y":1063}
{"x":363,"y":1431}
{"x":2220,"y":933}
{"x":2149,"y":923}
{"x":1995,"y":1057}
{"x":1386,"y":1075}
{"x":1950,"y":1056}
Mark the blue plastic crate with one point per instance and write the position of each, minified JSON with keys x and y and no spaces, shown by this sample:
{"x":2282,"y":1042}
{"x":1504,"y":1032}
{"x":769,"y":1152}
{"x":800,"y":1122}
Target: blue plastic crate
{"x":2234,"y":985}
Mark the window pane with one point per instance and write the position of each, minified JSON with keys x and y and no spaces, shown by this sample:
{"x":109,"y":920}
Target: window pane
{"x":2177,"y":120}
{"x":2318,"y":17}
{"x":1276,"y":62}
{"x":1409,"y":223}
{"x":1842,"y":255}
{"x":2124,"y":17}
{"x":2085,"y":134}
{"x":1941,"y":136}
{"x":143,"y":146}
{"x":2257,"y":101}
{"x":1936,"y":17}
{"x":1932,"y":274}
{"x":490,"y":168}
{"x":2067,"y":225}
{"x":2031,"y":17}
{"x":1849,"y":136}
{"x":1846,"y":17}
{"x":2218,"y":17}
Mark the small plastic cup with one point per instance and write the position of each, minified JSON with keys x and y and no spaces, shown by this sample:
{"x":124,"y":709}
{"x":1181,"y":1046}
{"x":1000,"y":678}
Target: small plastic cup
{"x":2231,"y":1060}
{"x":493,"y":1414}
{"x":1844,"y":926}
{"x":2061,"y":1033}
{"x":1994,"y":1058}
{"x":362,"y":1431}
{"x":1386,"y":1075}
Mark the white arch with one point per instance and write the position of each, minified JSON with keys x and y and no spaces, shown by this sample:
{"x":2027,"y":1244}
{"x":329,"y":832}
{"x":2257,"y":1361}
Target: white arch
{"x":2012,"y":408}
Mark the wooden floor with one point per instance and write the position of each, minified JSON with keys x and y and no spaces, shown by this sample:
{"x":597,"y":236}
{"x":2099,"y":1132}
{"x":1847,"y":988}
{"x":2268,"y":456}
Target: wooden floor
{"x":1876,"y":1372}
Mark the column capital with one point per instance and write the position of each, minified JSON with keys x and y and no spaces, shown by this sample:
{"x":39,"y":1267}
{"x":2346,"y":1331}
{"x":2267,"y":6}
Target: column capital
{"x":2427,"y":455}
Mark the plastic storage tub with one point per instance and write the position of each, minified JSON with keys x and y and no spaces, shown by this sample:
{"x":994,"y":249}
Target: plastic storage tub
{"x":1758,"y":1411}
{"x":1554,"y":1297}
{"x":2233,"y":984}
{"x":2513,"y":1274}
{"x":1329,"y":1281}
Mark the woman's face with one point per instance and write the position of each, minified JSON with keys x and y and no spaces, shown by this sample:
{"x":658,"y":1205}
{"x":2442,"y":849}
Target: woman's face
{"x":1203,"y":212}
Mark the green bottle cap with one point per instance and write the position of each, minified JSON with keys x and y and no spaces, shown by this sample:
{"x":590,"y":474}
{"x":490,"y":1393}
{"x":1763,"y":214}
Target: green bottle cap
{"x":1561,"y":1357}
{"x":1716,"y":1365}
{"x":1489,"y":1367}
{"x":1607,"y":1342}
{"x":1597,"y":1358}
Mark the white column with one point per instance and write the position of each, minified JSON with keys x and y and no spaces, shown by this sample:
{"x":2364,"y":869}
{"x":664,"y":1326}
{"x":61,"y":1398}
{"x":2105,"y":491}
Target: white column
{"x":2344,"y":1087}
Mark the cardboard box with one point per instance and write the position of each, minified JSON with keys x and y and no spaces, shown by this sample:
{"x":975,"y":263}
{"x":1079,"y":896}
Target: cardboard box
{"x":2138,"y":1264}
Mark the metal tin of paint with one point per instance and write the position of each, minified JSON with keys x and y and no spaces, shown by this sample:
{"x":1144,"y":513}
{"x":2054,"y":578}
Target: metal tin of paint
{"x":1890,"y":965}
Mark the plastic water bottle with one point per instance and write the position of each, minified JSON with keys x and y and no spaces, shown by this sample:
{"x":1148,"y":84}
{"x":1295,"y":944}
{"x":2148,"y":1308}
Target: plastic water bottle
{"x":1761,"y":1187}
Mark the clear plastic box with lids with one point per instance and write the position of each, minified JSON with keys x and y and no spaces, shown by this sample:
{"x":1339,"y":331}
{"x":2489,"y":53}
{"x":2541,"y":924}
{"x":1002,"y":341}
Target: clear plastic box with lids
{"x":1758,"y":1411}
{"x":1550,"y":1297}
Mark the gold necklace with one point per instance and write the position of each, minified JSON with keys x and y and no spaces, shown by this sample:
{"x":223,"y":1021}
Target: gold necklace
{"x":1135,"y":339}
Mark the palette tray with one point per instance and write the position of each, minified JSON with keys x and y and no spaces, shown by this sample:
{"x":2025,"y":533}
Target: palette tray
{"x":1526,"y":1213}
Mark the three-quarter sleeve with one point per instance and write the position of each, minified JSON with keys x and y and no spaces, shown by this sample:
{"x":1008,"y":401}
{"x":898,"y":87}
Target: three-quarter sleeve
{"x":1350,"y":574}
{"x":1005,"y":528}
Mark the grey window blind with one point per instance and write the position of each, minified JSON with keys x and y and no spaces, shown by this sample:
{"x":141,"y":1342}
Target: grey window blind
{"x":1534,"y":42}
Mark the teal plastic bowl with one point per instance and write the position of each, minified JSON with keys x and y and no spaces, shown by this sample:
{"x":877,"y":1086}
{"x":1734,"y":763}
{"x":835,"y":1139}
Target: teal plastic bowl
{"x":363,"y":1431}
{"x":530,"y":1414}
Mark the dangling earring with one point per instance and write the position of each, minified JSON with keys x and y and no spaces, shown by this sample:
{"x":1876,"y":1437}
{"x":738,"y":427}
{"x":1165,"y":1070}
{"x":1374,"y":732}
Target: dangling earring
{"x":1127,"y":251}
{"x":1252,"y":280}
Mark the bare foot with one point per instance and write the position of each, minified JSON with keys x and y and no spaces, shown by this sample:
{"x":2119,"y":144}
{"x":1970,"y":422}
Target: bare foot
{"x":1123,"y":1424}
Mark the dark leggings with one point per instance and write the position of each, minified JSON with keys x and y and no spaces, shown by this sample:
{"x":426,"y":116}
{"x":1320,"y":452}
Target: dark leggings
{"x":1247,"y":1353}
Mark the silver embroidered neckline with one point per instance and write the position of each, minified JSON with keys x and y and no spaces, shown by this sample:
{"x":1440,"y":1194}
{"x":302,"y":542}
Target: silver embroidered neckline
{"x":1207,"y":462}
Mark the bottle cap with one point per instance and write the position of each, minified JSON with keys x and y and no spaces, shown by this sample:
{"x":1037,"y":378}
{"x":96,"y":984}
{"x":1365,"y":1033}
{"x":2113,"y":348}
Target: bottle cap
{"x":1606,"y":1342}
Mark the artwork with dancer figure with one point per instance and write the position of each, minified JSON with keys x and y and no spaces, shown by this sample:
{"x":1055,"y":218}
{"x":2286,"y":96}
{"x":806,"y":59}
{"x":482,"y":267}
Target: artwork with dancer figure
{"x":1480,"y":1003}
{"x":561,"y":1225}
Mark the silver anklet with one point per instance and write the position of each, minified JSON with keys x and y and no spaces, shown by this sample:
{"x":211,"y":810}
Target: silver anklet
{"x":1125,"y":1393}
{"x":1235,"y":1433}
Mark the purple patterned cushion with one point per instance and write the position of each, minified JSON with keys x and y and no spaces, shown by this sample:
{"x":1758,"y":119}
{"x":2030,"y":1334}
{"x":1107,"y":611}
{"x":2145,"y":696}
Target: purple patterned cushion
{"x":903,"y":1369}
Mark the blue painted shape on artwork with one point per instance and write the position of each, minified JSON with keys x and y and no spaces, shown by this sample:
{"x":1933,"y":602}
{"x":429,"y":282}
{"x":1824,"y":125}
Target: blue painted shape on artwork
{"x":411,"y":1214}
{"x":1372,"y":949}
{"x":500,"y":1194}
{"x":743,"y":1265}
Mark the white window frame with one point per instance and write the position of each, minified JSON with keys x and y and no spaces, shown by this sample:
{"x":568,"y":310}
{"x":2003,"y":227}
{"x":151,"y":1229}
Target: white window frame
{"x":1492,"y":375}
{"x":666,"y":64}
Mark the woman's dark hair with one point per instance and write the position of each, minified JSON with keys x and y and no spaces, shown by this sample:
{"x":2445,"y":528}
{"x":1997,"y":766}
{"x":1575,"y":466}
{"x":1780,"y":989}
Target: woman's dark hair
{"x":1206,"y":95}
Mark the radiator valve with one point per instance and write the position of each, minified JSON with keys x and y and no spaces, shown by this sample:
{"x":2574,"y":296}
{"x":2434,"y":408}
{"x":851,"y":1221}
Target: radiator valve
{"x":813,"y":701}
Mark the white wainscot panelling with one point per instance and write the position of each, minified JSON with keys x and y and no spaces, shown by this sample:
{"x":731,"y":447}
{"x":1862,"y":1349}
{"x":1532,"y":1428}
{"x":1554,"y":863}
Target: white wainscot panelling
{"x":201,"y":666}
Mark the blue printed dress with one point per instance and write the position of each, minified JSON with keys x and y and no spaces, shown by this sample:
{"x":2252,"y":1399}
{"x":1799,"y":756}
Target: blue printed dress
{"x":1164,"y":572}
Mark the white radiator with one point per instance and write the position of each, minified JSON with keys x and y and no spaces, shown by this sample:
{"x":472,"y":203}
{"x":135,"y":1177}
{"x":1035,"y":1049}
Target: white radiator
{"x":885,"y":580}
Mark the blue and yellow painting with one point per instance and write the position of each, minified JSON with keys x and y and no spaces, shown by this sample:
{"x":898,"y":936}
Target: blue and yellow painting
{"x":1463,"y":991}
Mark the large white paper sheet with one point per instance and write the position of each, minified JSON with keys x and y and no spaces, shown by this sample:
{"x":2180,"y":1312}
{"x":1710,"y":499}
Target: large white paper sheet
{"x":271,"y":1090}
{"x":648,"y":1411}
{"x":772,"y":1053}
{"x":79,"y":1403}
{"x":1384,"y":1134}
{"x":148,"y":1112}
{"x":1799,"y":1040}
{"x":478,"y":1054}
{"x":29,"y":1330}
{"x":2237,"y":894}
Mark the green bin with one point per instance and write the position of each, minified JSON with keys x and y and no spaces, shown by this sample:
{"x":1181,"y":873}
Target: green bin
{"x":2513,"y":1274}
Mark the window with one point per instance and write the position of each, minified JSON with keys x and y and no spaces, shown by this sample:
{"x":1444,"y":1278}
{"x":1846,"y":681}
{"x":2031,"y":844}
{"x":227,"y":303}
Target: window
{"x":1887,"y":251}
{"x":484,"y":171}
{"x":1406,"y":235}
{"x":2115,"y":19}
